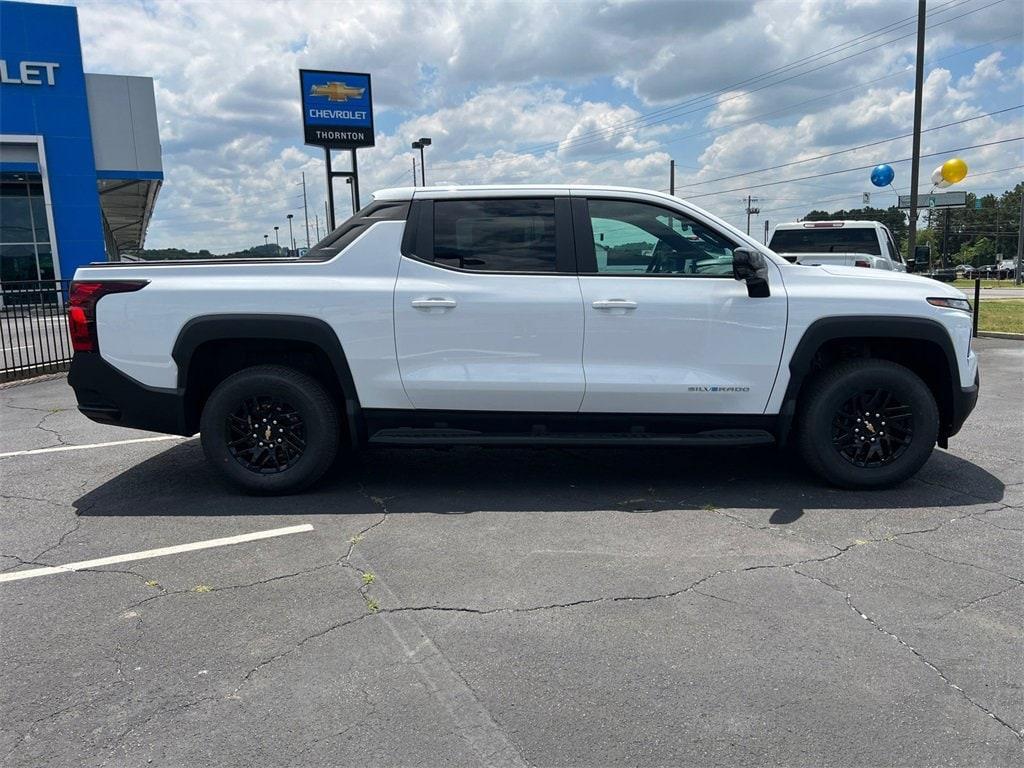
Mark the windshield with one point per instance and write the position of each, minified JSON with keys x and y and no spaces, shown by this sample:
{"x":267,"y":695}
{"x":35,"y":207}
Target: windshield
{"x":838,"y":240}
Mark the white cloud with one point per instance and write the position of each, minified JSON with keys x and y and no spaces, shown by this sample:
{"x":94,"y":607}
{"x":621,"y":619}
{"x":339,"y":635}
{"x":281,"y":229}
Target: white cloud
{"x":539,"y":91}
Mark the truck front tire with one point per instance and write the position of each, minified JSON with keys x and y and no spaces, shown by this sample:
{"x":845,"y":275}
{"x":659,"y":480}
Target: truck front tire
{"x":867,"y":423}
{"x":270,"y":430}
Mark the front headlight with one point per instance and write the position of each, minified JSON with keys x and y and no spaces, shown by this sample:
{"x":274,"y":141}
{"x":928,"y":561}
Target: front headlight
{"x":941,"y":301}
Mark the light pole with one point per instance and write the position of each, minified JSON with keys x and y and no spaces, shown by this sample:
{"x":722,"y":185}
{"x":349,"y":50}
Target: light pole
{"x":352,"y":193}
{"x":277,"y":237}
{"x":420,"y":144}
{"x":291,"y":236}
{"x":266,"y":240}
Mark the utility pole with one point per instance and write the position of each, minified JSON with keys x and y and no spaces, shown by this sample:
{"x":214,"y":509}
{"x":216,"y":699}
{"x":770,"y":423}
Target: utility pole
{"x":305,"y":209}
{"x":766,"y":231}
{"x":672,"y":177}
{"x":1020,"y":242}
{"x":915,"y":157}
{"x":327,"y":220}
{"x":750,"y":210}
{"x":945,"y":237}
{"x":414,"y":172}
{"x":316,"y":220}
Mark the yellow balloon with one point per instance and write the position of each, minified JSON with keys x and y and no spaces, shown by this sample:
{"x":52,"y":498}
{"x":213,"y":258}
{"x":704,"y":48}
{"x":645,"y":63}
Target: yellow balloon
{"x":954,"y":170}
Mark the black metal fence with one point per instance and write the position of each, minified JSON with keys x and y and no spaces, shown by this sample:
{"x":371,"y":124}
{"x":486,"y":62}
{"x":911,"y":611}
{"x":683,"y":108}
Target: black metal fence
{"x":34,"y":335}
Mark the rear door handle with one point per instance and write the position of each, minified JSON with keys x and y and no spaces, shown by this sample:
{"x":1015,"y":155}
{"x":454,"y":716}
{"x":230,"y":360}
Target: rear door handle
{"x":614,"y":304}
{"x":433,"y":303}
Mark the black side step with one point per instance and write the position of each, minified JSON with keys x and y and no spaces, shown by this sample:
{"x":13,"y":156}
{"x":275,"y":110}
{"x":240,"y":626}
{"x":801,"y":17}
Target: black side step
{"x":425,"y":437}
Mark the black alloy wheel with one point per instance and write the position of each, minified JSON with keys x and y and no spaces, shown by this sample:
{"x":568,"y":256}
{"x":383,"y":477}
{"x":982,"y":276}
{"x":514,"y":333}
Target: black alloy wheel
{"x":270,"y":429}
{"x":866,"y":423}
{"x":872,"y":428}
{"x":266,"y":434}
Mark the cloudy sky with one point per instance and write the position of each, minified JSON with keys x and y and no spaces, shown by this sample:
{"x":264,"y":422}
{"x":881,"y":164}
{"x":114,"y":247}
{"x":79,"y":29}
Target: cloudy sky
{"x":602,"y":92}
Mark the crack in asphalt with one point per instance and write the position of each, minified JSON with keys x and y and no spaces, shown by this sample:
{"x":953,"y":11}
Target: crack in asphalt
{"x":980,"y":517}
{"x":974,"y":602}
{"x":368,"y":714}
{"x":15,"y":497}
{"x":615,"y":598}
{"x":964,"y":563}
{"x":54,"y":432}
{"x":1016,"y":731}
{"x":47,"y":413}
{"x":76,"y":524}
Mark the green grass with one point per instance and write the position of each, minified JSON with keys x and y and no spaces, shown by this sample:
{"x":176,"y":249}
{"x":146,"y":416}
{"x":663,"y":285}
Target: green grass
{"x":987,"y":284}
{"x":1003,"y":315}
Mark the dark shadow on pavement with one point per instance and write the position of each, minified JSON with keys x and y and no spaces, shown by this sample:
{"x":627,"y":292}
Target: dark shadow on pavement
{"x":465,"y":480}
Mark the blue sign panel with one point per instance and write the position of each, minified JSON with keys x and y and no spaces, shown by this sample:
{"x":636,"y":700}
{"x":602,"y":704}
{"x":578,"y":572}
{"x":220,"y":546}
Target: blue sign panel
{"x":42,"y":89}
{"x":337,"y":109}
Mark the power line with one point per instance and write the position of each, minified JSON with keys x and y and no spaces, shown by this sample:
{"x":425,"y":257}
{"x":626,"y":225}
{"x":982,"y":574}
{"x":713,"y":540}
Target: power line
{"x":851,"y":149}
{"x":733,"y":124}
{"x":858,"y":195}
{"x":602,"y":133}
{"x":848,"y":170}
{"x":605,"y":133}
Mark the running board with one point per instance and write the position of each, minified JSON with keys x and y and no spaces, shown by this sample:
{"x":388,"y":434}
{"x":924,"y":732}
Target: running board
{"x":426,"y":437}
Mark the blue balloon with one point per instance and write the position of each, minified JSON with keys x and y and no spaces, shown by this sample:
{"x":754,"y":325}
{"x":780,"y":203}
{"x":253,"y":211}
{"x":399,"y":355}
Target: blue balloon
{"x":882,"y":175}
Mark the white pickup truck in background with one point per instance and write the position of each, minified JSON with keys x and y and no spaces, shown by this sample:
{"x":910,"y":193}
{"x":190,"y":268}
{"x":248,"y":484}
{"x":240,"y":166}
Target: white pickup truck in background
{"x":838,"y":243}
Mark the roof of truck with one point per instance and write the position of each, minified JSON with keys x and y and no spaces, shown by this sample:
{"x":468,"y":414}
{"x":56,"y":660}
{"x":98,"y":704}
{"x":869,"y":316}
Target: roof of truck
{"x":446,"y":190}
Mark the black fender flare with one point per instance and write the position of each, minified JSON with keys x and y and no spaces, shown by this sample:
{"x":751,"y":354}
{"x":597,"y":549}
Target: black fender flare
{"x":312,"y":330}
{"x":862,"y":327}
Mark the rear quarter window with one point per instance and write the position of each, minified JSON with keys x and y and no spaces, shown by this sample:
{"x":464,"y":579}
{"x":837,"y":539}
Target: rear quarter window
{"x":346,"y":232}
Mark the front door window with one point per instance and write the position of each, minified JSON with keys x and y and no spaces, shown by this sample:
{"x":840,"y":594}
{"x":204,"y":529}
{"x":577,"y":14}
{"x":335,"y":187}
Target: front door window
{"x":633,"y":238}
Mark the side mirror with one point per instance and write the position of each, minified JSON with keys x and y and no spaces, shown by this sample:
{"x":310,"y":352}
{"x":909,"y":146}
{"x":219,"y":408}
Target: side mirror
{"x":750,"y":266}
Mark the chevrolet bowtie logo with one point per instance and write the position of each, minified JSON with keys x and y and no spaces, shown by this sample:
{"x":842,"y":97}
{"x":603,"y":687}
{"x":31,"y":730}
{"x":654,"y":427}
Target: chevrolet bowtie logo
{"x":337,"y":91}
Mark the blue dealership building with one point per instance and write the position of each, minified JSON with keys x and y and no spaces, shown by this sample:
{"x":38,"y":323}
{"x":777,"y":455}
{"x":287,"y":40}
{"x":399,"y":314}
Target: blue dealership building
{"x":80,"y":159}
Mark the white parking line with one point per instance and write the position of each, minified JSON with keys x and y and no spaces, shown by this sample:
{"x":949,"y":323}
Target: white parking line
{"x":161,"y":552}
{"x":58,"y":448}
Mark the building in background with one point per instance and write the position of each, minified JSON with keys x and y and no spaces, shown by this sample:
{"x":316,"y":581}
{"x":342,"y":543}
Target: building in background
{"x":80,"y":162}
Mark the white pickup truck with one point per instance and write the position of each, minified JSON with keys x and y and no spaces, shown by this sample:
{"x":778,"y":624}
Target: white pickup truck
{"x":525,"y":315}
{"x":838,"y":243}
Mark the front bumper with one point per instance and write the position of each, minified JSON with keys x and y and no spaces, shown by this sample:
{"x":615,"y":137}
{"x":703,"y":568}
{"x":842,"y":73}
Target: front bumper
{"x":108,"y":396}
{"x":964,"y":400}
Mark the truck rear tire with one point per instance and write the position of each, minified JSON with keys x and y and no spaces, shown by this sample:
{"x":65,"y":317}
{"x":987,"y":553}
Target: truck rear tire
{"x":270,"y":430}
{"x":867,"y":423}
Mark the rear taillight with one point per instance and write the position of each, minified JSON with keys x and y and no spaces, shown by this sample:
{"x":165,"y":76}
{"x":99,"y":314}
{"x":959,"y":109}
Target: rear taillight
{"x":862,"y":263}
{"x":82,"y":309}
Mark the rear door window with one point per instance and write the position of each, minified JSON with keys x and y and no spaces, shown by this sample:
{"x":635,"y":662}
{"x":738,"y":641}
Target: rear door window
{"x":512,"y":235}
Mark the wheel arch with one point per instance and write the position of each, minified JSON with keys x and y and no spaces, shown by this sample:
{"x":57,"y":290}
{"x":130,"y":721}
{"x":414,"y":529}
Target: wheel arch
{"x":918,"y":343}
{"x":211,"y":347}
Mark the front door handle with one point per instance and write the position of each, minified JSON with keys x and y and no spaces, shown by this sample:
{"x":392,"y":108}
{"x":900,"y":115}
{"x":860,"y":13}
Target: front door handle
{"x":433,"y":303}
{"x":614,"y":304}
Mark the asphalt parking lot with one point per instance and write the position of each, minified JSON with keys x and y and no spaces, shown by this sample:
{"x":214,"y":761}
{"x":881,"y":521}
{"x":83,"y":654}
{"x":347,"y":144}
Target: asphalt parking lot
{"x":511,"y":607}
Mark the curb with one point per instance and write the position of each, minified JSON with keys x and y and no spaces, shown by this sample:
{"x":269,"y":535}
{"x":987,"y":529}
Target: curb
{"x":33,"y":380}
{"x":1000,"y":335}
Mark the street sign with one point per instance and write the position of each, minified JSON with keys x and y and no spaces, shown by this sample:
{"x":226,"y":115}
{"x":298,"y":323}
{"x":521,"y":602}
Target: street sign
{"x":337,"y":109}
{"x":937,"y":200}
{"x":865,"y":199}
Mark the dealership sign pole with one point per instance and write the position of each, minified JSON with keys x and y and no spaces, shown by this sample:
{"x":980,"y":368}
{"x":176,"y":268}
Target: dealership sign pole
{"x":337,"y":113}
